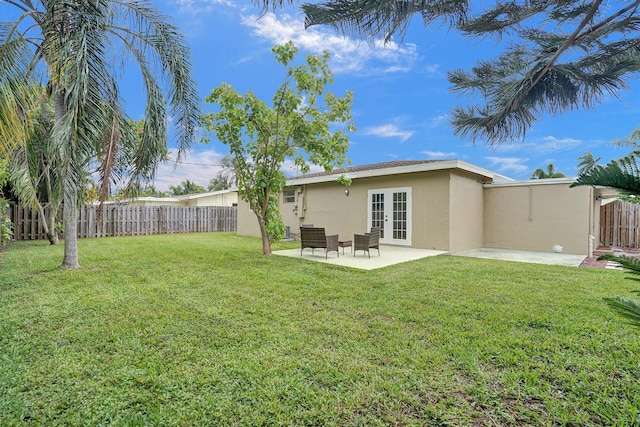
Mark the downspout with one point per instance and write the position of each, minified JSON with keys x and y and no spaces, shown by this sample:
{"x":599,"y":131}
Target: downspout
{"x":591,"y":226}
{"x":530,"y":203}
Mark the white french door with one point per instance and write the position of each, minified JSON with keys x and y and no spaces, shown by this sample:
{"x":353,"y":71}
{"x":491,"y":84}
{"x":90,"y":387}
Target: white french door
{"x":390,"y":209}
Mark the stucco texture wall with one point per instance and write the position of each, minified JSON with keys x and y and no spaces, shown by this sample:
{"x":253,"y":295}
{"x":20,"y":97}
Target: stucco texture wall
{"x":225,"y":199}
{"x":537,"y":217}
{"x":466,"y":212}
{"x":434,"y":214}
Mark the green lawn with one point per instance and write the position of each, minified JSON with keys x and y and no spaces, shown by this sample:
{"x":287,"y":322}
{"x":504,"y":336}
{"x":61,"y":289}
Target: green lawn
{"x":201,"y":329}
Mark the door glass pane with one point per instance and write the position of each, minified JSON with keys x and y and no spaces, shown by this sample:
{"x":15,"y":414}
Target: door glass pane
{"x":400,"y":216}
{"x":377,"y":212}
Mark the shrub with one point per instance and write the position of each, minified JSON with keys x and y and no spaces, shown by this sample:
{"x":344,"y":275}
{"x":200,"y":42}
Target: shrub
{"x":6,"y":226}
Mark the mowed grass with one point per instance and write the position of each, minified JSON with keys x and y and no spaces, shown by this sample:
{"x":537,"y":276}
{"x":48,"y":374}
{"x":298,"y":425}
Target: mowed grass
{"x":201,"y":329}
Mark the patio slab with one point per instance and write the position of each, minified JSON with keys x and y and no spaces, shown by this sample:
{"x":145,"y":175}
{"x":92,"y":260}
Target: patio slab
{"x":389,"y":255}
{"x":549,"y":258}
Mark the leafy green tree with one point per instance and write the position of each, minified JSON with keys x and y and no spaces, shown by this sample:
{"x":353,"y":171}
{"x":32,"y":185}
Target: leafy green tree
{"x":218,"y":183}
{"x":77,"y":41}
{"x":145,"y":191}
{"x":186,"y":187}
{"x":150,"y":191}
{"x":6,"y":227}
{"x":296,"y":126}
{"x":558,"y":55}
{"x":546,"y":174}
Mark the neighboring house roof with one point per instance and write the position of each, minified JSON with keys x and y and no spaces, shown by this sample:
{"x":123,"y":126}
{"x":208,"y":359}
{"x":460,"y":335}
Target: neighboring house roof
{"x":179,"y":198}
{"x":194,"y":196}
{"x":395,"y":168}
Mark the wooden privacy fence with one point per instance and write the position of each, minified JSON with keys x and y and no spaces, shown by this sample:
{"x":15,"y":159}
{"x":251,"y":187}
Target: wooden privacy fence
{"x":131,"y":221}
{"x":620,"y":224}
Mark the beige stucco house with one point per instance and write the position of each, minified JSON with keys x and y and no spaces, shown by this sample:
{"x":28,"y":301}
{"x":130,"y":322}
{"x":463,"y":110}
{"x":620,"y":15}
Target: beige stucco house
{"x":448,"y":205}
{"x":215,"y":198}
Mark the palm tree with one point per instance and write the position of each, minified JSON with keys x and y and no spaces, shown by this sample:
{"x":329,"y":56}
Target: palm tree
{"x":35,"y":170}
{"x":186,"y":187}
{"x":587,"y":161}
{"x":227,"y":177}
{"x":624,"y":175}
{"x":586,"y":51}
{"x":76,"y":42}
{"x":549,"y":173}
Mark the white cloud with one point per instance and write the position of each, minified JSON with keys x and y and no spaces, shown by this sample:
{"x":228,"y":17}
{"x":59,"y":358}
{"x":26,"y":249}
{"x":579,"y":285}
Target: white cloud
{"x":543,"y":145}
{"x":199,"y":167}
{"x":290,"y":169}
{"x":347,"y":55}
{"x":388,"y":131}
{"x":551,"y":143}
{"x":431,"y":69}
{"x":438,"y":154}
{"x":439,"y":120}
{"x":508,"y":164}
{"x":196,"y":7}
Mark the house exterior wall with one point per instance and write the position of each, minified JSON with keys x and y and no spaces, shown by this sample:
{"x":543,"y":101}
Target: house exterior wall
{"x":466,"y":212}
{"x":430,"y":214}
{"x":535,"y":217}
{"x":223,"y":199}
{"x":247,"y":222}
{"x":226,"y":198}
{"x":326,"y":205}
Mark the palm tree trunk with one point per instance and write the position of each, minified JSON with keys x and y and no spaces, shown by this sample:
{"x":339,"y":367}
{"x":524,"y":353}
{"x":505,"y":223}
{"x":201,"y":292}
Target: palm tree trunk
{"x":54,"y":207}
{"x":52,"y":233}
{"x":70,"y":221}
{"x":70,"y":199}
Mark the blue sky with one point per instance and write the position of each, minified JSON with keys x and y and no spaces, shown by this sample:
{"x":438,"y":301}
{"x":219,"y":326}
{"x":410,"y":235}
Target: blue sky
{"x":402,"y":99}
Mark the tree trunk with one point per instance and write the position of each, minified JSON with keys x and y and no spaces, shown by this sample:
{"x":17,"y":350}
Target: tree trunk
{"x":266,"y":242}
{"x":70,"y":199}
{"x":54,"y":207}
{"x":70,"y":221}
{"x":48,"y":225}
{"x":52,"y":233}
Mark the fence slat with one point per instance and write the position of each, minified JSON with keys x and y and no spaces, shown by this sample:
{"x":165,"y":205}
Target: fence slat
{"x":131,"y":220}
{"x":620,"y":224}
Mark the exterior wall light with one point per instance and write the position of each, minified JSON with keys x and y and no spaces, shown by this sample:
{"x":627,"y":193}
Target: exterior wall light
{"x":346,"y":192}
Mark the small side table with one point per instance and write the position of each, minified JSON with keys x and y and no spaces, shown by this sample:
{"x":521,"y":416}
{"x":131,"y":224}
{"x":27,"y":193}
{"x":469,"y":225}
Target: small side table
{"x":345,"y":244}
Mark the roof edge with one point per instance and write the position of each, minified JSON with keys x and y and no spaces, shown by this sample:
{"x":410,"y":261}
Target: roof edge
{"x":397,"y":170}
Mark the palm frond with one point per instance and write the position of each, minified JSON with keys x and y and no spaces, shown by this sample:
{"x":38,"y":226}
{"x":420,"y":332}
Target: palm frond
{"x":622,"y":174}
{"x":628,"y":308}
{"x":384,"y":18}
{"x":155,"y":35}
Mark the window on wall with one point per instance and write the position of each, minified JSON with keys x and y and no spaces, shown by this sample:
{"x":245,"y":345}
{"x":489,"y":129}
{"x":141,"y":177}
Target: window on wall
{"x":289,"y":196}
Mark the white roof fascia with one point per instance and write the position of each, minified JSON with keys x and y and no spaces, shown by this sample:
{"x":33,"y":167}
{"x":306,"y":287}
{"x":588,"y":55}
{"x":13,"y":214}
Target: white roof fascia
{"x":155,"y":199}
{"x":211,"y":193}
{"x":533,"y":182}
{"x":419,"y":167}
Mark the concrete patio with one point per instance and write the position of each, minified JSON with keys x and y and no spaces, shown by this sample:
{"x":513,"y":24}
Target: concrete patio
{"x":548,"y":258}
{"x":390,"y":255}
